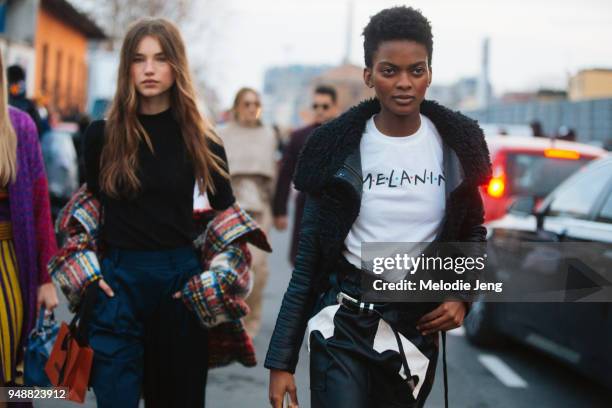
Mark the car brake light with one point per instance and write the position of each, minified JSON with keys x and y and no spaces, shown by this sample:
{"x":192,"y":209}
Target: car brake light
{"x":496,"y":187}
{"x":562,"y":154}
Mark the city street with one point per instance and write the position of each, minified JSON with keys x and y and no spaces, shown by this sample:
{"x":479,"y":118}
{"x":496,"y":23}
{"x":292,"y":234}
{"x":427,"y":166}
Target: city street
{"x":506,"y":378}
{"x":133,"y":100}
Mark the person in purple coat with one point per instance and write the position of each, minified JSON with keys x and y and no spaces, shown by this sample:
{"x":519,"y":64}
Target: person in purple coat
{"x":27,"y":241}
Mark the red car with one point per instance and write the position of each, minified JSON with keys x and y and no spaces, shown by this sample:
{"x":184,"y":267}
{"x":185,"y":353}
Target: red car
{"x":530,"y":166}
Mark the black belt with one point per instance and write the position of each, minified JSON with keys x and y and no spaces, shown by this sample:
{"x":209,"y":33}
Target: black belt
{"x":370,"y":308}
{"x":354,"y":304}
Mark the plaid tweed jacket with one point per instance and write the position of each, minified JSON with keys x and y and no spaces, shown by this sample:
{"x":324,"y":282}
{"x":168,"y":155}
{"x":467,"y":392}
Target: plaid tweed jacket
{"x":216,"y":295}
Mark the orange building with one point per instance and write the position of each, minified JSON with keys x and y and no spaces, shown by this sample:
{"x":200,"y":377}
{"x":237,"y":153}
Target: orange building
{"x":591,"y":84}
{"x":60,"y":46}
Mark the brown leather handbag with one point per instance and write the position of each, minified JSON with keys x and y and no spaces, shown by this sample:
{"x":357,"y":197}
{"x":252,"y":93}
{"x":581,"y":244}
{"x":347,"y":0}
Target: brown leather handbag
{"x":70,"y":361}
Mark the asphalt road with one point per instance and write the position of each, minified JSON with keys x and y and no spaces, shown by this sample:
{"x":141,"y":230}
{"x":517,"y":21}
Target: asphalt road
{"x":507,"y":377}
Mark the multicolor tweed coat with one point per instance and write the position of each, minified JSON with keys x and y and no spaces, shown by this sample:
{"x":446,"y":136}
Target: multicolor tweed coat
{"x":216,"y":295}
{"x":30,"y":216}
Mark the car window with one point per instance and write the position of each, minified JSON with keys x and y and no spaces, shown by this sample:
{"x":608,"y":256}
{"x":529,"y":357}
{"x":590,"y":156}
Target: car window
{"x":536,"y":175}
{"x":578,"y":197}
{"x":605,"y":215}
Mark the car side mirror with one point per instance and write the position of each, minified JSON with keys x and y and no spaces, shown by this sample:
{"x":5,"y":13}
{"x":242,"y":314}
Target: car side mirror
{"x":539,"y":215}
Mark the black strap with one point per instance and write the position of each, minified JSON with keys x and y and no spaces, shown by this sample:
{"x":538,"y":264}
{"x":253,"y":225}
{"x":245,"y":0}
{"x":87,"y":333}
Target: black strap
{"x":79,"y":325}
{"x":62,"y":371}
{"x":80,"y":322}
{"x":444,"y":369}
{"x":402,"y":353}
{"x":400,"y":347}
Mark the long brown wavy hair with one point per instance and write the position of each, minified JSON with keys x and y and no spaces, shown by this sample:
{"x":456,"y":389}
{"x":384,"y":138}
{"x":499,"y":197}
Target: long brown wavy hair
{"x":123,"y":131}
{"x":8,"y":138}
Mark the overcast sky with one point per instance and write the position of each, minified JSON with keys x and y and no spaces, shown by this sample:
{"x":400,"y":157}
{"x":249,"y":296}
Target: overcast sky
{"x":534,"y":43}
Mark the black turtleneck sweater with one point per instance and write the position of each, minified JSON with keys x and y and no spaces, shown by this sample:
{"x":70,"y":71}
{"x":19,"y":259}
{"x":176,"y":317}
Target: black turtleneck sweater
{"x":159,"y":216}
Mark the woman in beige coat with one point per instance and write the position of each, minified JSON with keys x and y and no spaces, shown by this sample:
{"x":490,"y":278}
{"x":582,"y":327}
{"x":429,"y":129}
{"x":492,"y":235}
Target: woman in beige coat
{"x":251,"y":149}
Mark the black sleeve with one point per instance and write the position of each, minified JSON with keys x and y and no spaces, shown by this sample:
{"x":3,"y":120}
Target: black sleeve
{"x":473,"y":231}
{"x":93,"y":141}
{"x":285,"y":175}
{"x":223,"y":196}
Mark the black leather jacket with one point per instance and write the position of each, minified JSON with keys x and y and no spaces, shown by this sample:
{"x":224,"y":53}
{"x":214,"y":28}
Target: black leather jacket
{"x":329,"y":172}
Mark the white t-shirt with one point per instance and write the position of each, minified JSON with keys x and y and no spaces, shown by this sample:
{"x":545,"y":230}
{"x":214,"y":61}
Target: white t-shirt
{"x":403,"y":197}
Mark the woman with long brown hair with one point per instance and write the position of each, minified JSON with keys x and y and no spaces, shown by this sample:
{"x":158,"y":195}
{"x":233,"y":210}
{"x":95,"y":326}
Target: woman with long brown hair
{"x":142,"y":163}
{"x":27,"y":241}
{"x":251,"y":148}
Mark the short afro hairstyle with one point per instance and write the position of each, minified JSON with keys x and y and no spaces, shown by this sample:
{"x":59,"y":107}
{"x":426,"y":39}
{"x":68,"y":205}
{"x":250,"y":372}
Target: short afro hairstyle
{"x":396,"y":23}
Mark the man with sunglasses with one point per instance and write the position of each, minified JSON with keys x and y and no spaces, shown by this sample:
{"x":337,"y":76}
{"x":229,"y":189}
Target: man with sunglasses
{"x":325,"y":108}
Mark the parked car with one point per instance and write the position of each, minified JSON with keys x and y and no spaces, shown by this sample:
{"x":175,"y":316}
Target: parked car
{"x":530,"y":166}
{"x":578,"y":333}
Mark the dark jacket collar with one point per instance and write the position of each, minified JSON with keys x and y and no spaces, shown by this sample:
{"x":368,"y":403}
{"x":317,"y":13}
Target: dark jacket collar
{"x":330,"y":145}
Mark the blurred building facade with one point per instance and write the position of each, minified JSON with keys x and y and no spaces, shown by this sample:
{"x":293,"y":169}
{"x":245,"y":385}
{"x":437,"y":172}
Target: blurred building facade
{"x":542,"y":95}
{"x":591,"y":84}
{"x":347,"y":79}
{"x":590,"y":119}
{"x":585,"y":107}
{"x":102,"y":78}
{"x":62,"y":34}
{"x":49,"y":39}
{"x":462,"y":94}
{"x":286,"y":91}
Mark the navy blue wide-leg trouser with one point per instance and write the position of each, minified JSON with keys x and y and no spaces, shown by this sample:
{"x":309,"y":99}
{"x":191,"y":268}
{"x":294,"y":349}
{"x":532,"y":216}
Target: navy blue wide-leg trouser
{"x":144,"y":341}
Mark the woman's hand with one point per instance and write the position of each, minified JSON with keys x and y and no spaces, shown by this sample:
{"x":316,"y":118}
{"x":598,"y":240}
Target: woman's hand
{"x":46,"y":296}
{"x":282,"y":382}
{"x":281,"y":222}
{"x":105,"y":288}
{"x":449,"y":315}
